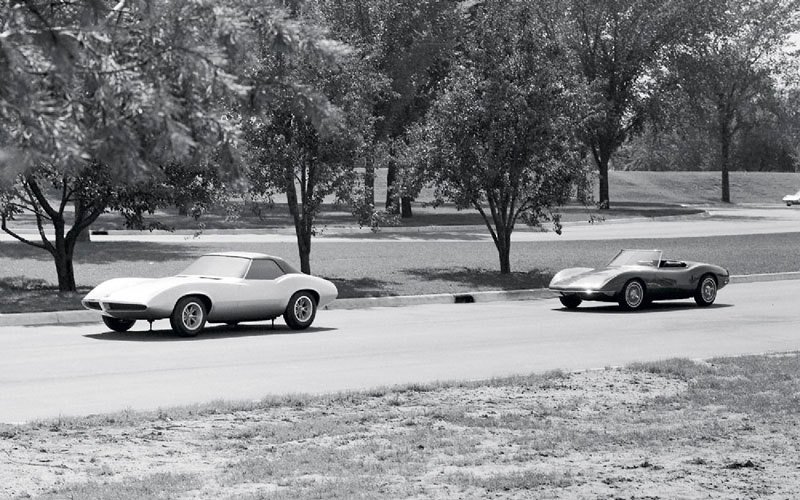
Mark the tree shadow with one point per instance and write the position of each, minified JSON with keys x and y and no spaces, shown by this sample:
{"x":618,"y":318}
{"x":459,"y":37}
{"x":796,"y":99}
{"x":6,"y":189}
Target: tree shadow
{"x":106,"y":252}
{"x":535,"y":278}
{"x":214,"y":332}
{"x":362,"y":287}
{"x":655,"y":307}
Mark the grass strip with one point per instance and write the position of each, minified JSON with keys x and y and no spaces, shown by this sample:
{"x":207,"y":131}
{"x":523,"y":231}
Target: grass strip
{"x":677,"y":428}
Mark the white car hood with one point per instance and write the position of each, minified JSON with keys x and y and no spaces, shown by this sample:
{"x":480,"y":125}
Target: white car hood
{"x":140,"y":290}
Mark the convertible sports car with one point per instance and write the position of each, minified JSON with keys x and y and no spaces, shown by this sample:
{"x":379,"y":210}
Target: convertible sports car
{"x":636,"y":277}
{"x":226,"y":287}
{"x":792,"y":199}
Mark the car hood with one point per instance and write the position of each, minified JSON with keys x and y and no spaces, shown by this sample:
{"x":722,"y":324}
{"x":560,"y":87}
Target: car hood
{"x":583,"y":277}
{"x":141,"y":290}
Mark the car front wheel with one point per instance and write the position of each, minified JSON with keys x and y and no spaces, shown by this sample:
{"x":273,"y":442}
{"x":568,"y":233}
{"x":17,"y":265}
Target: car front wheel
{"x":706,"y":292}
{"x":117,"y":324}
{"x":189,"y":317}
{"x":300,"y":311}
{"x":633,"y":295}
{"x":570,"y":301}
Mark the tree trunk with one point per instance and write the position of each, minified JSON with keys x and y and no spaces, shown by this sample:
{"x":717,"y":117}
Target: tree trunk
{"x":369,"y":184}
{"x":504,"y":251}
{"x":63,"y":252}
{"x":725,"y":155}
{"x":405,"y":207}
{"x":304,"y":249}
{"x":392,"y":203}
{"x":602,"y":157}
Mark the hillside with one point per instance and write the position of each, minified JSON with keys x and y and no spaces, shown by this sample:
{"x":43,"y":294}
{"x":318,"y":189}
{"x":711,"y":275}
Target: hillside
{"x":700,"y":187}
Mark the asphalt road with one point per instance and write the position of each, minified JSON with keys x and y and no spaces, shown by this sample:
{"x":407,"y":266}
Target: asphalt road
{"x":83,"y":369}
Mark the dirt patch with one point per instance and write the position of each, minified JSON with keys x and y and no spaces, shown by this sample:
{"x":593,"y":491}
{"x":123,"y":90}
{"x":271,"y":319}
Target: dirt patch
{"x":655,"y":431}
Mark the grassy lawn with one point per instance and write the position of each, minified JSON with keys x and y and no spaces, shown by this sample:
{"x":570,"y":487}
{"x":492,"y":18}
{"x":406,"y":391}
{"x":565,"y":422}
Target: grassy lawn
{"x":728,"y":428}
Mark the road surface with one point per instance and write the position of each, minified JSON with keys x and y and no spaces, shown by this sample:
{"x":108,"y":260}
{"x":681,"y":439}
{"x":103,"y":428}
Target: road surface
{"x":83,"y":369}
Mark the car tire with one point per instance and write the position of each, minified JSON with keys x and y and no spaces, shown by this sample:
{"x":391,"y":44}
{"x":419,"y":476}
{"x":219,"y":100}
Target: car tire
{"x":300,"y":311}
{"x":570,"y":301}
{"x":118,"y":324}
{"x":706,"y":292}
{"x":634,"y":295}
{"x":189,"y":317}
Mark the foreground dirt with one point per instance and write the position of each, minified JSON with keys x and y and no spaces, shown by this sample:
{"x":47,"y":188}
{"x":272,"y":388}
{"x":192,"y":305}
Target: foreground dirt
{"x":614,"y":433}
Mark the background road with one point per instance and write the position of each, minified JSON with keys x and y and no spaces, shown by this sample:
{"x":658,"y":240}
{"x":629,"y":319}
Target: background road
{"x":81,"y":369}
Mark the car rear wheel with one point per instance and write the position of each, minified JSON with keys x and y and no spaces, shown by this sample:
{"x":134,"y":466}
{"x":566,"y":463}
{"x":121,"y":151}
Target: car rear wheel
{"x":300,"y":311}
{"x":117,"y":324}
{"x":570,"y":301}
{"x":706,"y":292}
{"x":189,"y":317}
{"x":633,"y":295}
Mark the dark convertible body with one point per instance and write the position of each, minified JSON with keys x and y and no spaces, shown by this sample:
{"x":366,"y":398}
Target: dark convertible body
{"x":636,"y":277}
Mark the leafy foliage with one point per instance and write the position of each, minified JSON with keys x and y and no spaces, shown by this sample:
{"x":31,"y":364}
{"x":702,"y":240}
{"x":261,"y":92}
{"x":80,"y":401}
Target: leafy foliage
{"x":501,"y":137}
{"x":729,"y":70}
{"x":302,"y":154}
{"x":95,"y":96}
{"x":616,"y":45}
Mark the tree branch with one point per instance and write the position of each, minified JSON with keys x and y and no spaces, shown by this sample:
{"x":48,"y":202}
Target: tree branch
{"x":20,"y":238}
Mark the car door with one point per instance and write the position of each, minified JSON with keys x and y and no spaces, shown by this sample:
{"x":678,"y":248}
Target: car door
{"x":263,"y":298}
{"x":668,"y":279}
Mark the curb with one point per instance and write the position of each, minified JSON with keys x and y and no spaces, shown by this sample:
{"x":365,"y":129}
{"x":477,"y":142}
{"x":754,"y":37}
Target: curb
{"x":752,"y":278}
{"x":86,"y":316}
{"x":441,"y":298}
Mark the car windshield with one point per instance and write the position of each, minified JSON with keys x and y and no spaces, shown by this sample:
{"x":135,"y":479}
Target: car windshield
{"x":217,"y":266}
{"x":636,"y":258}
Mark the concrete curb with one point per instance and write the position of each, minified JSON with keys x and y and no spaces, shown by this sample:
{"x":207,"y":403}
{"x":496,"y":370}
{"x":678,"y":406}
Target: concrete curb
{"x":751,"y":278}
{"x":86,"y":316}
{"x":442,"y":298}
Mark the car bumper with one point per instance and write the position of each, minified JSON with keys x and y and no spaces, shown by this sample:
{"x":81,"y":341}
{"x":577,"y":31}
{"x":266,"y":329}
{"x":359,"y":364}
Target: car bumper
{"x":586,"y":294}
{"x":124,"y":310}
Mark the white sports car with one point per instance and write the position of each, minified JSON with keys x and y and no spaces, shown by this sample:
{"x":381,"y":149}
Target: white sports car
{"x":792,"y":199}
{"x":226,"y":287}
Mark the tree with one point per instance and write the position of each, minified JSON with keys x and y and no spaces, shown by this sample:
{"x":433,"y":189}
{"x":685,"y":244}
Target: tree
{"x":410,"y":42}
{"x":501,"y":138}
{"x":94,"y":97}
{"x":615,"y":44}
{"x":299,"y":152}
{"x":731,"y":66}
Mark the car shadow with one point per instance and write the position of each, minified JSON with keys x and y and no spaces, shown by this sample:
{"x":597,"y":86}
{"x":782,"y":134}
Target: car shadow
{"x":209,"y":333}
{"x":656,"y":307}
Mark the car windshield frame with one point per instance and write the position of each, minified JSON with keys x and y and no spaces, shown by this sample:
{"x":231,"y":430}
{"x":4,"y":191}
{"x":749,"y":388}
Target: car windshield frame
{"x":218,"y":266}
{"x":627,"y":258}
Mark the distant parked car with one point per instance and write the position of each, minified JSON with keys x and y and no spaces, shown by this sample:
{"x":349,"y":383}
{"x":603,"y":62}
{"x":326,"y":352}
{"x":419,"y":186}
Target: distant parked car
{"x":635,"y":277}
{"x":792,"y":199}
{"x":226,"y":287}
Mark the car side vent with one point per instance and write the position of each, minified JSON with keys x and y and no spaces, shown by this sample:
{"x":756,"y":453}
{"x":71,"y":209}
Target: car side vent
{"x":92,"y":304}
{"x":115,"y":306}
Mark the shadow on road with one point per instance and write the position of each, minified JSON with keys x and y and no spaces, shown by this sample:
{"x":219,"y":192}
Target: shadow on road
{"x":209,"y":333}
{"x":652,"y":308}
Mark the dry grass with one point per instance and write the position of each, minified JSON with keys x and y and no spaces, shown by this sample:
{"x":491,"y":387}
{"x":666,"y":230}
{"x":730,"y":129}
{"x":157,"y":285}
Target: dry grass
{"x":726,"y":428}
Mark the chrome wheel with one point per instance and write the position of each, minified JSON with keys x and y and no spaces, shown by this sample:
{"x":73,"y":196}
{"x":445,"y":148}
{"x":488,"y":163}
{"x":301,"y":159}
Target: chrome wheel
{"x":633,"y":295}
{"x":192,"y":315}
{"x":189,"y":316}
{"x":300,"y":311}
{"x":706,"y":292}
{"x":303,"y":308}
